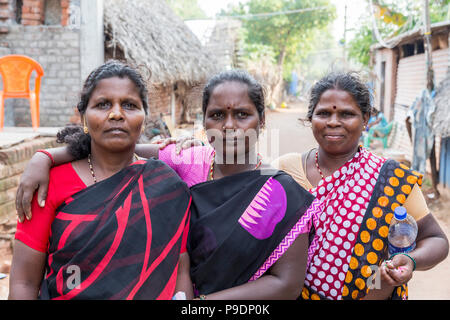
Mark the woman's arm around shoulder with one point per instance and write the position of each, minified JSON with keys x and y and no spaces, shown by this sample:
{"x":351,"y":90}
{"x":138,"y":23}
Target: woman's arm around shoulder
{"x":36,"y":176}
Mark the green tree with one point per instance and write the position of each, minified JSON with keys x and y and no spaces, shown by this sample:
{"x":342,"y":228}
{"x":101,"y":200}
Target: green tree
{"x":277,"y":34}
{"x":393,"y":18}
{"x":359,"y":46}
{"x":287,"y":33}
{"x":187,"y":9}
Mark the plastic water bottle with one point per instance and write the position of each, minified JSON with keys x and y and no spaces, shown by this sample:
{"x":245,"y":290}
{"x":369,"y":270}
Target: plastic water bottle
{"x":402,"y":232}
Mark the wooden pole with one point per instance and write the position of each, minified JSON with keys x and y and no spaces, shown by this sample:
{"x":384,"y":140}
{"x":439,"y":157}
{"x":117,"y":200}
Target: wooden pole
{"x":430,"y":87}
{"x":344,"y":50}
{"x":427,"y":46}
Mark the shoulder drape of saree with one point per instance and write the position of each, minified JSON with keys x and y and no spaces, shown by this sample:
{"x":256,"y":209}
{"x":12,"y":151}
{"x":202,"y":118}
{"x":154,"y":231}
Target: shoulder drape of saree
{"x":393,"y":186}
{"x":120,"y":238}
{"x":241,"y":225}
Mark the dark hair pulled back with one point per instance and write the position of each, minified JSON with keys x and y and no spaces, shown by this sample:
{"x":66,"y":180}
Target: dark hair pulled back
{"x":79,"y":143}
{"x":350,"y":82}
{"x":255,"y":90}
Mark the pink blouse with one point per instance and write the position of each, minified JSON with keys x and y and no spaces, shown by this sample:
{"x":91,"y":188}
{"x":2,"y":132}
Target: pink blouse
{"x":192,"y":164}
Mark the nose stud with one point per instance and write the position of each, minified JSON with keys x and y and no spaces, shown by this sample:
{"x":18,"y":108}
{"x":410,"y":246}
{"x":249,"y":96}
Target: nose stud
{"x":111,"y":115}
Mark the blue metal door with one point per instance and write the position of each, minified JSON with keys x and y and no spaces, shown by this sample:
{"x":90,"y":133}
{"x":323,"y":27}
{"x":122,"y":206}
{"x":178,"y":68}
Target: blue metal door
{"x":444,"y":163}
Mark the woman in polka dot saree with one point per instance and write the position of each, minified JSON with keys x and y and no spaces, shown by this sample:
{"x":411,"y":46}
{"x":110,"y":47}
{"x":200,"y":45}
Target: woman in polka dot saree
{"x":360,"y":191}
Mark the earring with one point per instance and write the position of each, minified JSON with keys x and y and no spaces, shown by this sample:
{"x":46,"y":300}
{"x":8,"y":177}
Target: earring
{"x":262,"y":128}
{"x":85,"y":128}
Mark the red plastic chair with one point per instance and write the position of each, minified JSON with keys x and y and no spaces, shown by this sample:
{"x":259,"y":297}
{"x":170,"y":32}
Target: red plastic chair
{"x":15,"y":71}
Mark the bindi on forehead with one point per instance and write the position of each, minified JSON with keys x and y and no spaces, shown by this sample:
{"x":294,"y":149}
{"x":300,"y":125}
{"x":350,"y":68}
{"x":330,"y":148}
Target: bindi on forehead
{"x":334,"y":107}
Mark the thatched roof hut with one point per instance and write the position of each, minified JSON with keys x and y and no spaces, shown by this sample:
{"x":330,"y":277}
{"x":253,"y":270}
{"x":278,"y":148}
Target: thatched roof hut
{"x":221,"y":38}
{"x":441,"y":117}
{"x":149,"y":33}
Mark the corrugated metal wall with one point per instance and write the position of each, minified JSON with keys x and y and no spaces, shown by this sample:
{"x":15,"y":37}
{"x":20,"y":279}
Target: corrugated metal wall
{"x":402,"y":142}
{"x":411,"y":76}
{"x":411,"y":80}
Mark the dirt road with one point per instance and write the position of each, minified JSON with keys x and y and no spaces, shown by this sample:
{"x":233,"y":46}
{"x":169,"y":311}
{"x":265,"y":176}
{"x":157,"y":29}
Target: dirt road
{"x":292,"y":136}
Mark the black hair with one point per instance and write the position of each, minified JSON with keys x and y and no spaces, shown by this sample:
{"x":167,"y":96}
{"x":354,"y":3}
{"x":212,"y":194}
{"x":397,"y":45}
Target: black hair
{"x":255,"y":90}
{"x":350,"y":82}
{"x":78,"y":142}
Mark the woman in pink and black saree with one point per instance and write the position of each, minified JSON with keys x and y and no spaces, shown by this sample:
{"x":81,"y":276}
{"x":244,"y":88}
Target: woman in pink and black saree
{"x":250,"y":223}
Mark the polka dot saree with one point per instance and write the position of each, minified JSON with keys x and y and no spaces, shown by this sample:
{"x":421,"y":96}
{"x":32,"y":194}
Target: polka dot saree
{"x":350,"y":239}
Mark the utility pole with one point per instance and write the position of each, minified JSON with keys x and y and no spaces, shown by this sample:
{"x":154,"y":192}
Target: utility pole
{"x":344,"y":50}
{"x":430,"y":85}
{"x":427,"y":45}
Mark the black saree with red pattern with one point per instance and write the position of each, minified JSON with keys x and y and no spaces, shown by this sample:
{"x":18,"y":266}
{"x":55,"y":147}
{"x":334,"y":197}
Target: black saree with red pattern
{"x":119,"y":238}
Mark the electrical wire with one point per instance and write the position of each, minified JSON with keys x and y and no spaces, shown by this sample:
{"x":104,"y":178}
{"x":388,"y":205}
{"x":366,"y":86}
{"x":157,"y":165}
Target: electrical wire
{"x":255,"y":16}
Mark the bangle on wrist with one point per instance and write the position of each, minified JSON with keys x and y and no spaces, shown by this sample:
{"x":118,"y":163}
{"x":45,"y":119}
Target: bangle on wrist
{"x":405,"y":254}
{"x":48,"y":155}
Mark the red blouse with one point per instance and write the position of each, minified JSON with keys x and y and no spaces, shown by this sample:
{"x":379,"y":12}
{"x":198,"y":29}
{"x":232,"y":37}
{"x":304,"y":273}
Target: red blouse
{"x":64,"y":182}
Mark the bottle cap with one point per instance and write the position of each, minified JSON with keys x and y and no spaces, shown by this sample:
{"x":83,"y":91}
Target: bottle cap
{"x":400,"y":213}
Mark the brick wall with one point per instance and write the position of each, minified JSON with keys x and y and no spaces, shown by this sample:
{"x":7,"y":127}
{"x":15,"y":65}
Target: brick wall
{"x":194,"y":101}
{"x":33,"y":12}
{"x":7,"y":15}
{"x":160,"y":101}
{"x":57,"y":49}
{"x":65,"y":12}
{"x":12,"y":163}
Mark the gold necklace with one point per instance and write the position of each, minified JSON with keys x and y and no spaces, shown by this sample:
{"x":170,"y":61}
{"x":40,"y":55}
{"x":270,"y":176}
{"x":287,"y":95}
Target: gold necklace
{"x":317,"y":164}
{"x":91,"y":168}
{"x":211,"y":167}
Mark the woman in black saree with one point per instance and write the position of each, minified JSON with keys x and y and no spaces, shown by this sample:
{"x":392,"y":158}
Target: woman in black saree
{"x":241,"y":227}
{"x":249,"y":227}
{"x":113,"y":226}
